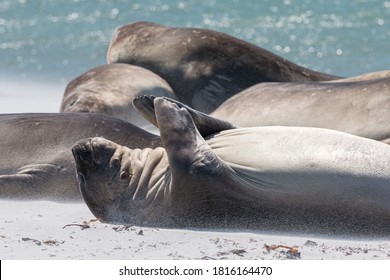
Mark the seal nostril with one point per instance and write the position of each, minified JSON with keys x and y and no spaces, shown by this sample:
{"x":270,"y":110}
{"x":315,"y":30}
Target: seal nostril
{"x":84,"y":154}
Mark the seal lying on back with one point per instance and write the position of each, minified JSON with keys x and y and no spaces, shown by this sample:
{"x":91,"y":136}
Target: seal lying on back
{"x":203,"y":67}
{"x":285,"y":178}
{"x":36,"y":160}
{"x":360,"y":108}
{"x":110,"y":89}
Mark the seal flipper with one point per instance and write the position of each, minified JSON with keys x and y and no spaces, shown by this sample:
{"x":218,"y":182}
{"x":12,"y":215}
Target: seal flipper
{"x":201,"y":183}
{"x":144,"y":105}
{"x":204,"y":123}
{"x":30,"y":181}
{"x":181,"y":139}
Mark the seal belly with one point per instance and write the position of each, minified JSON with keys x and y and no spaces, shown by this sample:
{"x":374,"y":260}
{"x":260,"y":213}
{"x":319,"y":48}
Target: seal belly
{"x":310,"y":165}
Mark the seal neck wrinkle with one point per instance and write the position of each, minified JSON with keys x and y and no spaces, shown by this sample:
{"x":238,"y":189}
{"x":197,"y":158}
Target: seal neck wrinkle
{"x":147,"y":169}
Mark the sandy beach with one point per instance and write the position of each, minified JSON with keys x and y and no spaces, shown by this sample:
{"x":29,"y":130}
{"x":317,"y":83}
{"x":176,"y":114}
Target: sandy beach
{"x":50,"y":230}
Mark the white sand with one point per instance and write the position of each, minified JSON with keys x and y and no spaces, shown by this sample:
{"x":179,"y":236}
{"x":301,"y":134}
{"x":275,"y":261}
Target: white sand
{"x":49,"y":230}
{"x":23,"y":96}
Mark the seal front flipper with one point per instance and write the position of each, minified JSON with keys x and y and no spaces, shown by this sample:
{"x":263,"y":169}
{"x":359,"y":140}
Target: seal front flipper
{"x":200,"y":180}
{"x":185,"y":146}
{"x":144,"y":105}
{"x":204,"y":123}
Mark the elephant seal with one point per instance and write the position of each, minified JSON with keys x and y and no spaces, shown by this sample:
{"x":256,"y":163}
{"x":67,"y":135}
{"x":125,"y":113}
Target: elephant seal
{"x":283,"y":178}
{"x":110,"y":89}
{"x":359,"y":108}
{"x":203,"y":67}
{"x":36,"y":161}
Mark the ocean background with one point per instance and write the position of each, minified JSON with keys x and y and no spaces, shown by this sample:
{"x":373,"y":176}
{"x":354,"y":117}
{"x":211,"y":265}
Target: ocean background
{"x":46,"y":43}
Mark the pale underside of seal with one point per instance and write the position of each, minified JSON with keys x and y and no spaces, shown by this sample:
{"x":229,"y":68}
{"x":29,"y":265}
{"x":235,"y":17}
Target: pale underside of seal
{"x":36,"y":160}
{"x":304,"y":179}
{"x":357,"y":107}
{"x":364,"y":77}
{"x":203,"y":67}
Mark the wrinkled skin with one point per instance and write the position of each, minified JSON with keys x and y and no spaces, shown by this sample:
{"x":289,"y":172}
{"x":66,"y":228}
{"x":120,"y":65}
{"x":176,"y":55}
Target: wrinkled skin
{"x":117,"y":183}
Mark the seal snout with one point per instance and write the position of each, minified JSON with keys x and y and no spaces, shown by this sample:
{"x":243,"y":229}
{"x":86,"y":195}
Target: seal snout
{"x":82,"y":152}
{"x":93,"y":152}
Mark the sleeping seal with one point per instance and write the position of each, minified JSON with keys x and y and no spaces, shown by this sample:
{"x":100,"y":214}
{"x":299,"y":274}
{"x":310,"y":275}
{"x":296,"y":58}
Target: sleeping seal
{"x":284,"y":178}
{"x":358,"y":107}
{"x":110,"y":89}
{"x":36,"y":160}
{"x":203,"y":67}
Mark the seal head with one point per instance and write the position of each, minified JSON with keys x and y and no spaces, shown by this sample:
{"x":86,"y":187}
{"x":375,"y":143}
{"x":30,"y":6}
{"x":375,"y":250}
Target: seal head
{"x":120,"y":184}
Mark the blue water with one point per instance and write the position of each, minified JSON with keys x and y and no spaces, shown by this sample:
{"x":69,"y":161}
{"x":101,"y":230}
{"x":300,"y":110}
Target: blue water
{"x":57,"y":40}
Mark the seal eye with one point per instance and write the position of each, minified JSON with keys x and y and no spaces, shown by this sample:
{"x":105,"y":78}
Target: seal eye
{"x":124,"y":175}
